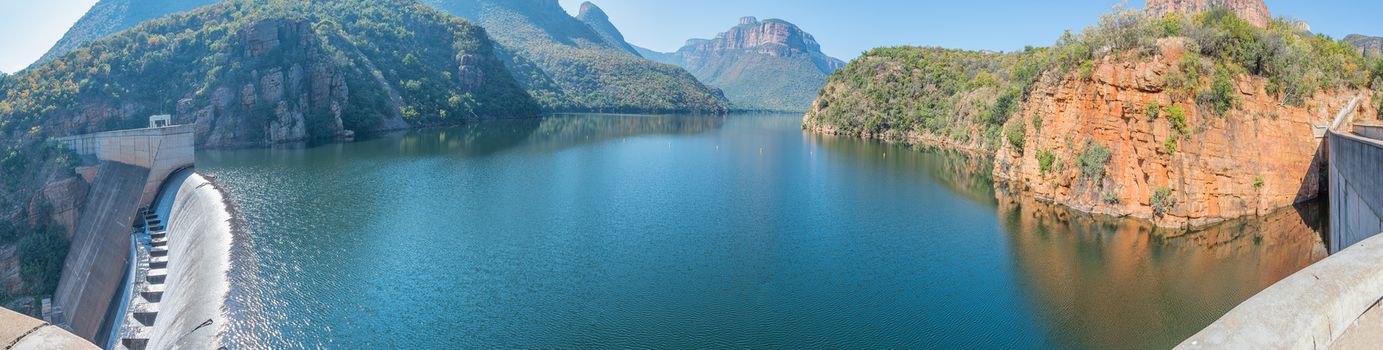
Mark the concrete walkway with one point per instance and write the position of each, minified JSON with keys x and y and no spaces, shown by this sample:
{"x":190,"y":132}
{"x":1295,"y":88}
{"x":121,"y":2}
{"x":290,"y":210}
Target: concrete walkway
{"x":23,"y":332}
{"x":1331,"y":304}
{"x":1365,"y":333}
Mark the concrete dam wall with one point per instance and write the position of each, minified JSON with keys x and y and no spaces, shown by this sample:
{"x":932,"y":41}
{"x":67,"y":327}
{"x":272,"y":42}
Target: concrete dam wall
{"x":181,"y":281}
{"x":1356,"y":189}
{"x":95,"y":264}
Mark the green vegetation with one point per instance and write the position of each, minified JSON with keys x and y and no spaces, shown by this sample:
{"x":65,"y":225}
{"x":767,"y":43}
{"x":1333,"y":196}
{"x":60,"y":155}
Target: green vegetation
{"x":1153,"y":109}
{"x":1222,"y":96}
{"x":963,"y":96}
{"x":1258,"y":182}
{"x":1296,"y":63}
{"x":117,"y":82}
{"x":148,"y":70}
{"x":1094,"y":160}
{"x":1016,"y":134}
{"x":108,"y":17}
{"x":1177,"y":117}
{"x":1162,"y":201}
{"x":1110,"y":198}
{"x":568,"y":67}
{"x":1045,"y":160}
{"x":1170,"y":145}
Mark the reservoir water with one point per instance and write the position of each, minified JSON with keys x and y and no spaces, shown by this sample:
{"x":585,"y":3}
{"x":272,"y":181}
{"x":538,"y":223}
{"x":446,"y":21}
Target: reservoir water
{"x":741,"y":231}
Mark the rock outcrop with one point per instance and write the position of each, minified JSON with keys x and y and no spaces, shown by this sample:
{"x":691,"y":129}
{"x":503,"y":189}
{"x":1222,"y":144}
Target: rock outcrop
{"x":1368,"y":45}
{"x":598,"y":20}
{"x":761,"y":65}
{"x":289,"y":90}
{"x":1260,"y":156}
{"x":1253,"y":11}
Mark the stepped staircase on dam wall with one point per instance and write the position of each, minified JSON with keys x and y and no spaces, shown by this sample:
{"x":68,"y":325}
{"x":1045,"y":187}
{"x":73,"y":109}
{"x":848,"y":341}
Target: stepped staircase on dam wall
{"x":1335,"y":303}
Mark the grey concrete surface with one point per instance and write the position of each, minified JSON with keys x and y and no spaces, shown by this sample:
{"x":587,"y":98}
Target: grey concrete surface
{"x":23,"y":332}
{"x":1311,"y":309}
{"x":100,"y":249}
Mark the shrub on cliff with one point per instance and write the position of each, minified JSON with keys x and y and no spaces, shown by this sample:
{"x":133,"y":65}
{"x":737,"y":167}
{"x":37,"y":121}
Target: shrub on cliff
{"x":1296,"y":63}
{"x":1162,"y":201}
{"x":1016,"y":134}
{"x":1093,"y":161}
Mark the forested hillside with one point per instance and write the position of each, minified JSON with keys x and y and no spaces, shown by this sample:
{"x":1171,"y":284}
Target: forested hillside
{"x":567,"y":66}
{"x":108,"y":17}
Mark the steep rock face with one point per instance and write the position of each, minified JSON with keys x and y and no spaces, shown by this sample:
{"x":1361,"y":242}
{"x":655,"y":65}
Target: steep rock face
{"x":107,"y":17}
{"x":1253,"y":11}
{"x":765,"y":65}
{"x":1368,"y":45}
{"x":1258,"y":157}
{"x":286,"y":90}
{"x":595,"y":17}
{"x":568,"y":67}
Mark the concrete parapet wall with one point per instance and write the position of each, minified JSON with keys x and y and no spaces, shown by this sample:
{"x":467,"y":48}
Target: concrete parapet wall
{"x":1369,"y":131}
{"x":161,"y":150}
{"x":1310,"y":309}
{"x":1356,"y":189}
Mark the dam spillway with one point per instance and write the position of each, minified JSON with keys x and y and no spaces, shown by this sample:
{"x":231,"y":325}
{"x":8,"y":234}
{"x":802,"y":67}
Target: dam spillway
{"x":181,"y":281}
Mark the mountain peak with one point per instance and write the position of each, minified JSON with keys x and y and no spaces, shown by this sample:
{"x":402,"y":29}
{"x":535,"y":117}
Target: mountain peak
{"x":761,"y":65}
{"x":1253,"y":11}
{"x":591,"y":11}
{"x":593,"y":16}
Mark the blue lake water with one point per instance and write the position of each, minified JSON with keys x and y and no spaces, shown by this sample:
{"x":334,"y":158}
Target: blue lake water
{"x":741,"y":231}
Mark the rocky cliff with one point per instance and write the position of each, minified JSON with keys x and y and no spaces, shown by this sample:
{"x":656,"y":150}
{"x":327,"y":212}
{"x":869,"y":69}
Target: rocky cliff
{"x":1368,"y":45}
{"x":1253,"y":11}
{"x":761,"y":65}
{"x":595,"y":17}
{"x":1121,"y":142}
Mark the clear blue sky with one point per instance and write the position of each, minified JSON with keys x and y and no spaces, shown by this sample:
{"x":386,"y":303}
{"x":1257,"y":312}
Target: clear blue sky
{"x":845,"y":28}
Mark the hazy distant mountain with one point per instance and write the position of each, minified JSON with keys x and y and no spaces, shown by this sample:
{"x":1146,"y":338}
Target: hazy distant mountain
{"x":110,"y":16}
{"x":761,"y":65}
{"x":661,"y":57}
{"x":1369,"y":45}
{"x":593,"y":16}
{"x":567,"y":66}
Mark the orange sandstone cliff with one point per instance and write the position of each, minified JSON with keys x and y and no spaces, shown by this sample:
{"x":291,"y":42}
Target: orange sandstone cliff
{"x":1259,"y":156}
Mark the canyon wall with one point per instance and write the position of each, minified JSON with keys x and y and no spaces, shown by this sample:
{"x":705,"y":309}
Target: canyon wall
{"x":1258,"y":156}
